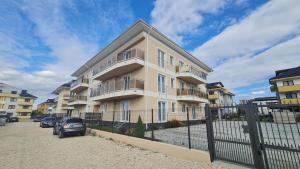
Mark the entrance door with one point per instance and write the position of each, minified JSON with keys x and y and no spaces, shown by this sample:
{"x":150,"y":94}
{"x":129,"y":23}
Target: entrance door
{"x":124,"y":111}
{"x":162,"y":116}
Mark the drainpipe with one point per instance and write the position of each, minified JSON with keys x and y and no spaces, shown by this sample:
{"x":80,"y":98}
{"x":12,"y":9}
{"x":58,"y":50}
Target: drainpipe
{"x":146,"y":72}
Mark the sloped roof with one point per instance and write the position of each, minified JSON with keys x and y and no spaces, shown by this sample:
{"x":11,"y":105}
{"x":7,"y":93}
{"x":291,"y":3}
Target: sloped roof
{"x":287,"y":73}
{"x":132,"y":31}
{"x":214,"y":85}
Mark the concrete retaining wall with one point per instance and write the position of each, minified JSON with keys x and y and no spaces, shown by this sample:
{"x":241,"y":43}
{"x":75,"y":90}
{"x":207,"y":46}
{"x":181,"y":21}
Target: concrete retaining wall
{"x":168,"y":149}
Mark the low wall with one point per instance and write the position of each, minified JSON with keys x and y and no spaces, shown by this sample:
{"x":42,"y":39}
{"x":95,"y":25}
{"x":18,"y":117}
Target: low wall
{"x":168,"y":149}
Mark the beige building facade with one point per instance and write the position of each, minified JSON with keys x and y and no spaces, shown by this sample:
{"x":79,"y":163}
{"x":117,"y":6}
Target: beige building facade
{"x":62,"y":99}
{"x":139,"y":71}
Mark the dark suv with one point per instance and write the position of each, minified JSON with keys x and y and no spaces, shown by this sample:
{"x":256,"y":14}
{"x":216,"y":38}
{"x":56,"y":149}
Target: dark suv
{"x":69,"y":125}
{"x":48,"y":122}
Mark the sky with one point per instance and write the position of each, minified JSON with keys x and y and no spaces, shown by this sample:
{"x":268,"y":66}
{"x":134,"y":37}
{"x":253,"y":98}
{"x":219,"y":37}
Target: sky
{"x":245,"y":41}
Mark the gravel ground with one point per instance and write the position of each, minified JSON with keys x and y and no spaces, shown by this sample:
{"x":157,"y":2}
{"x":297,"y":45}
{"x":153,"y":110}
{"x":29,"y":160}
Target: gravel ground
{"x":24,"y":145}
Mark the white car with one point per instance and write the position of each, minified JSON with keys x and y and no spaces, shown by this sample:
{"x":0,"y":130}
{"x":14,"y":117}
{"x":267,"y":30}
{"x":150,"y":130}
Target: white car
{"x":2,"y":121}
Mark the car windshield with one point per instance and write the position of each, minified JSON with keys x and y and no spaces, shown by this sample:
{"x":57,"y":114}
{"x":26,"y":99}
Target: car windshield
{"x":49,"y":118}
{"x":74,"y":120}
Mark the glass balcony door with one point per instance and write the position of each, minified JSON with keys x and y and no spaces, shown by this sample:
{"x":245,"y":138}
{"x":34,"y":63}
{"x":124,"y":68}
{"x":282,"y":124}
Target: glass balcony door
{"x":162,"y":115}
{"x":124,"y":111}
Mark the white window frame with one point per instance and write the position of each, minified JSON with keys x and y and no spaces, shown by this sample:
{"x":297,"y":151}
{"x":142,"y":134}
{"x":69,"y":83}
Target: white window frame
{"x":173,"y":83}
{"x":173,"y":107}
{"x":172,"y":60}
{"x":183,"y":108}
{"x":161,"y":87}
{"x":161,"y":58}
{"x":159,"y":114}
{"x":121,"y":111}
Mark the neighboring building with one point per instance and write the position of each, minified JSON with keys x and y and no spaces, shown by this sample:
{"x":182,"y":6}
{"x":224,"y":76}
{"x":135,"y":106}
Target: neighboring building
{"x":62,"y":99}
{"x":263,"y":103}
{"x":245,"y":101}
{"x":47,"y":107}
{"x":219,"y":96}
{"x":141,"y":70}
{"x":15,"y":102}
{"x":286,"y":84}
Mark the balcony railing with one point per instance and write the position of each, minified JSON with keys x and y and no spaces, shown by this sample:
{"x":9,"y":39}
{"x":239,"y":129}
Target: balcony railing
{"x":78,"y":98}
{"x":78,"y":81}
{"x":121,"y":57}
{"x":191,"y":92}
{"x":192,"y":70}
{"x":116,"y":86}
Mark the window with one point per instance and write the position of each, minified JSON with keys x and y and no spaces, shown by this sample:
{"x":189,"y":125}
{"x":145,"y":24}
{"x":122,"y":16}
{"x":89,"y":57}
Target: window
{"x":183,"y":108}
{"x":181,"y":85}
{"x":161,"y":58}
{"x":291,"y":95}
{"x":181,"y":64}
{"x":12,"y":99}
{"x":172,"y":83}
{"x":211,"y":92}
{"x":26,"y":107}
{"x":288,"y":83}
{"x":213,"y":101}
{"x":171,"y":60}
{"x":173,"y":107}
{"x":161,"y":83}
{"x":162,"y":111}
{"x":27,"y":100}
{"x":13,"y":92}
{"x":11,"y":107}
{"x":0,"y":91}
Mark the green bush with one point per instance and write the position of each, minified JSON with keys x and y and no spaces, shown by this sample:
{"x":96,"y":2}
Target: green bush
{"x":298,"y":118}
{"x":173,"y":124}
{"x":140,"y":130}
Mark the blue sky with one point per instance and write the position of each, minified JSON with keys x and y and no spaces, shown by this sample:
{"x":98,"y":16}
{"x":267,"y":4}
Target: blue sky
{"x":244,"y":41}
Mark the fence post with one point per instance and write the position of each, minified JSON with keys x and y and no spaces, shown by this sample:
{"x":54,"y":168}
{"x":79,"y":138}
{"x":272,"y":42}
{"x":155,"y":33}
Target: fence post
{"x":113,"y":121}
{"x":129,"y":120}
{"x":152,"y":126}
{"x":210,"y":133}
{"x":188,"y":125}
{"x":92,"y":120}
{"x":101,"y":122}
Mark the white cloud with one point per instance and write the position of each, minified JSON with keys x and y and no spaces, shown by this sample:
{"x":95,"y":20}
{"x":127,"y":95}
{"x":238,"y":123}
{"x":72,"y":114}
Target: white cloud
{"x":245,"y":71}
{"x":267,"y":26}
{"x":259,"y":92}
{"x":67,"y":48}
{"x":182,"y":17}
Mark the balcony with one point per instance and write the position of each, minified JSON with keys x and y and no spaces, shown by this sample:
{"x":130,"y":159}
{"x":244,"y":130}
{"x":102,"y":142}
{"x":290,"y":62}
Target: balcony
{"x":213,"y":96}
{"x":290,"y":101}
{"x":273,"y":88}
{"x":191,"y":74}
{"x":22,"y":110}
{"x":216,"y":105}
{"x":191,"y":95}
{"x":125,"y":62}
{"x":77,"y":100}
{"x":292,"y":88}
{"x":79,"y":85}
{"x":66,"y":107}
{"x":25,"y":103}
{"x":119,"y":90}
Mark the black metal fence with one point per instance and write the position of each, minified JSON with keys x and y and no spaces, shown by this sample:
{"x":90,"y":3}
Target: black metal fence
{"x":260,"y":136}
{"x":186,"y":128}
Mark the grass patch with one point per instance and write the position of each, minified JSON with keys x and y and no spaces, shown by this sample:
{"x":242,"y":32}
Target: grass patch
{"x":108,"y":129}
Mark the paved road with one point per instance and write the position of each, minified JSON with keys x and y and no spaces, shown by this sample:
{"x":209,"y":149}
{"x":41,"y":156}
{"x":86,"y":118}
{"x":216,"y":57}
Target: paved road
{"x":24,"y":145}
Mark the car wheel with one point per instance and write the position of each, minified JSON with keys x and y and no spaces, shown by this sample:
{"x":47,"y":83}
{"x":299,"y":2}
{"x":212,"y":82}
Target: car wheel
{"x":54,"y":132}
{"x":82,"y":133}
{"x":60,"y":134}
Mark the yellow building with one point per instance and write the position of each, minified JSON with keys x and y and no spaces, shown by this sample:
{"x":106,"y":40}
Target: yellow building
{"x":286,"y":84}
{"x":15,"y":102}
{"x":62,"y":99}
{"x":46,"y":107}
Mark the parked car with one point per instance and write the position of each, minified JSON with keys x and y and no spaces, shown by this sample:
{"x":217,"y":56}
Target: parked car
{"x":47,"y":122}
{"x":38,"y":119}
{"x":2,"y":121}
{"x":13,"y":119}
{"x":68,"y":126}
{"x":5,"y":117}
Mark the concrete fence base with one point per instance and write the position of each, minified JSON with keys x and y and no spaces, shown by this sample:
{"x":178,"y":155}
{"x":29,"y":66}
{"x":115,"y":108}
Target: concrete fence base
{"x":168,"y":149}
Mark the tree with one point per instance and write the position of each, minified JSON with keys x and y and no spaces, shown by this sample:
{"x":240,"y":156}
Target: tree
{"x":140,"y":130}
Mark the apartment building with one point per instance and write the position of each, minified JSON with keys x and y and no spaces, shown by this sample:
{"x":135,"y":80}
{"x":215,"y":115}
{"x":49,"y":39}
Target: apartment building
{"x":264,"y":101}
{"x":15,"y":102}
{"x":62,"y":99}
{"x":47,"y":107}
{"x":141,"y":70}
{"x":286,"y":85}
{"x":219,"y":96}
